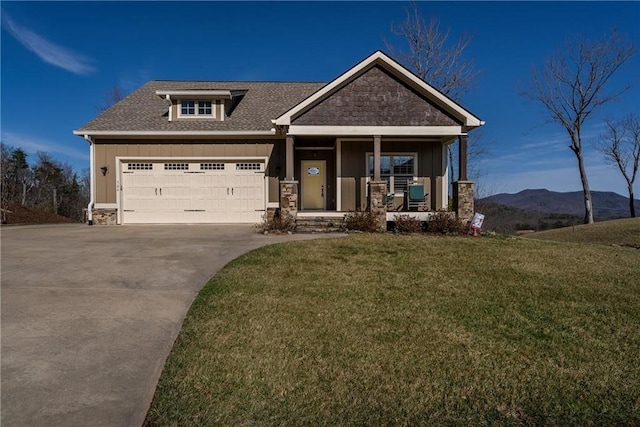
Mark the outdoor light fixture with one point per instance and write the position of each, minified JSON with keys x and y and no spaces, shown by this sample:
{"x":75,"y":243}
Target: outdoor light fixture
{"x":104,"y":170}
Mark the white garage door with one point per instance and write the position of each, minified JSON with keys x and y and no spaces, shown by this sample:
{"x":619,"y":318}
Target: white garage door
{"x":192,"y":192}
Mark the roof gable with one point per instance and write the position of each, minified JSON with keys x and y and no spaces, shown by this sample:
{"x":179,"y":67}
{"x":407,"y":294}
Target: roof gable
{"x":410,"y":81}
{"x":375,"y":98}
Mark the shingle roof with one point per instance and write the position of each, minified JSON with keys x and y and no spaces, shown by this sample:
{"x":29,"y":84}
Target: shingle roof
{"x":143,"y":110}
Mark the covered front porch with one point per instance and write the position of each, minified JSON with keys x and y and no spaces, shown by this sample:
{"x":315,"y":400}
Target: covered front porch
{"x":340,"y":174}
{"x":375,"y":139}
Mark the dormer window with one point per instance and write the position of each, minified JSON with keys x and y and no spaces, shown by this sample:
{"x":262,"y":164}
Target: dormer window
{"x":196,"y":109}
{"x":204,"y":108}
{"x":213,"y":104}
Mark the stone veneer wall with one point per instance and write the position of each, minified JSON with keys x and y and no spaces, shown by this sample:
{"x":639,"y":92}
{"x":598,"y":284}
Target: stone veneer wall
{"x":463,"y":200}
{"x":289,"y":197}
{"x":105,"y":216}
{"x":377,"y":202}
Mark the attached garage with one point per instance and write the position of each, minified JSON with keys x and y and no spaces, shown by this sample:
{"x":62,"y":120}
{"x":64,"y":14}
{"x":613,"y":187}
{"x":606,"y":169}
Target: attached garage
{"x":191,"y":191}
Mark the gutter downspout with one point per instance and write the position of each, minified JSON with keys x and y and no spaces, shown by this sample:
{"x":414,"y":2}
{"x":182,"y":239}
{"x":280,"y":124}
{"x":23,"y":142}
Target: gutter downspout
{"x":92,"y":185}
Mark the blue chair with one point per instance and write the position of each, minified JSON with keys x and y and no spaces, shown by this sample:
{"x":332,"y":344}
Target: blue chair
{"x":416,"y":198}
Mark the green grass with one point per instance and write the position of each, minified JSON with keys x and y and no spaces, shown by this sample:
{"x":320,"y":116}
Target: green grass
{"x":622,"y":232}
{"x":411,"y":330}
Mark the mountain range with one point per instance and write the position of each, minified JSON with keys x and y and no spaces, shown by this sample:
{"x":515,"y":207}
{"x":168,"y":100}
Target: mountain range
{"x":606,"y":204}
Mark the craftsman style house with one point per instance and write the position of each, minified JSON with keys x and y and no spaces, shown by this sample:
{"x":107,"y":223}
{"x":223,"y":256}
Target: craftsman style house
{"x":222,"y":152}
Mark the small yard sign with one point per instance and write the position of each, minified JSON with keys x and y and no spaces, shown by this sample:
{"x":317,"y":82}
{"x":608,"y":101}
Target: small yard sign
{"x":476,"y":223}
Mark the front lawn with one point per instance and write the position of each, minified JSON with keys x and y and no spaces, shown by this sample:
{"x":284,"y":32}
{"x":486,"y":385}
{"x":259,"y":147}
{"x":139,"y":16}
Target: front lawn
{"x":411,"y":330}
{"x":621,"y":232}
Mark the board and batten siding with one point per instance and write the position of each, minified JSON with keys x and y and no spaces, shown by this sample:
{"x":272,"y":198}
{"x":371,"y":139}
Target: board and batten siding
{"x":354,"y":169}
{"x":106,"y":153}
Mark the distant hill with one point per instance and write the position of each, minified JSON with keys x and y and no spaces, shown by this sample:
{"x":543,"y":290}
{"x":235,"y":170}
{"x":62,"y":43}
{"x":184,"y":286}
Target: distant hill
{"x":508,"y":219}
{"x":606,"y":204}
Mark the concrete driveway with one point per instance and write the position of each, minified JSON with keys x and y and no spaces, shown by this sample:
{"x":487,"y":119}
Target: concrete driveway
{"x":89,"y":314}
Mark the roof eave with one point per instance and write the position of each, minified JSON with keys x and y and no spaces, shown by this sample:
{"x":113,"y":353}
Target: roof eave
{"x":82,"y":132}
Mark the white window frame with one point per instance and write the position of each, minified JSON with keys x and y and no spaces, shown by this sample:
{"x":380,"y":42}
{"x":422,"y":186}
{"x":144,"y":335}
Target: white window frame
{"x":196,"y":109}
{"x":391,"y":176}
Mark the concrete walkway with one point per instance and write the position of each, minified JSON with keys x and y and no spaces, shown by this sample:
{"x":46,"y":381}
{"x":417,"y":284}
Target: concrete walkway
{"x":89,"y":314}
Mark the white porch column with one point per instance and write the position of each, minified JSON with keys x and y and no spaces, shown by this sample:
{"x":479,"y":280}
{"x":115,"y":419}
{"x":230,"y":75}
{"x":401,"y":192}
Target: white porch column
{"x":376,"y":158}
{"x":289,"y":158}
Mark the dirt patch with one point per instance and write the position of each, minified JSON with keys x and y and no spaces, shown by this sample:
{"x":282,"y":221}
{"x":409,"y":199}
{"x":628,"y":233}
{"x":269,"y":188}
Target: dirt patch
{"x":17,"y":214}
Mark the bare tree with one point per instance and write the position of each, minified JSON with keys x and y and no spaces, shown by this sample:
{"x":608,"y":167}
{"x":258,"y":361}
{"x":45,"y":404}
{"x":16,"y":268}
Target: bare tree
{"x":432,"y":55}
{"x":112,"y":97}
{"x":439,"y":60}
{"x":572,"y":84}
{"x":620,"y":145}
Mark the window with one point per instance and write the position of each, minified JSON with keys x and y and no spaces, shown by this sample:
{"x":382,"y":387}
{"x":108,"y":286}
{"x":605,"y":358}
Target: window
{"x":140,"y":166}
{"x":176,"y":166}
{"x":204,"y":108}
{"x":196,"y":108}
{"x":248,"y":166}
{"x":188,"y":108}
{"x":396,"y":169}
{"x":211,"y":166}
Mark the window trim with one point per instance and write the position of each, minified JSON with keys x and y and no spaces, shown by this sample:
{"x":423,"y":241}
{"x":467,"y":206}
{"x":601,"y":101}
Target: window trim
{"x":196,"y":109}
{"x":369,"y":170}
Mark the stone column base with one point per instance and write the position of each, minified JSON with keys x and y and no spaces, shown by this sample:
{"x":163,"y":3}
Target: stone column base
{"x":105,"y":216}
{"x":377,"y":202}
{"x":463,"y":204}
{"x":289,"y":197}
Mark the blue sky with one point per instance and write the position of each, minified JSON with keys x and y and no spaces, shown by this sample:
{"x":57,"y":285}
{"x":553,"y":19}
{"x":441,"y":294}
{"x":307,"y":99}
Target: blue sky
{"x":59,"y":59}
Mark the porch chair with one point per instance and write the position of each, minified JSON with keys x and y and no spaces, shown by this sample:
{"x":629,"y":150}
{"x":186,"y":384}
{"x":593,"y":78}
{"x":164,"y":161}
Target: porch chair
{"x":416,"y":198}
{"x":391,"y":198}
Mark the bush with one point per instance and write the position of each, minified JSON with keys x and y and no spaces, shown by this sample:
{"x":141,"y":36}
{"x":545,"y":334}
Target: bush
{"x":281,"y":222}
{"x":361,"y":221}
{"x":444,"y":222}
{"x":405,"y":224}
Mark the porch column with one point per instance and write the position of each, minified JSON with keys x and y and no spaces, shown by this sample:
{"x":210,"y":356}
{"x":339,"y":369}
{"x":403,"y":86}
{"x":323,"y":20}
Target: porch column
{"x":376,"y":158}
{"x":463,"y":203}
{"x":378,"y":189}
{"x":462,"y":158}
{"x":289,"y":159}
{"x":289,"y":187}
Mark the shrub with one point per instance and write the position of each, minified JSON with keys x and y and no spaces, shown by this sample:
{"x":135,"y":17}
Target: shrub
{"x":405,"y":224}
{"x":445,"y":222}
{"x":361,"y":221}
{"x":281,"y":222}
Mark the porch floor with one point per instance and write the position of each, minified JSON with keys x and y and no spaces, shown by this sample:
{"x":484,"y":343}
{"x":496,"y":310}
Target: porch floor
{"x":323,"y":214}
{"x":421,"y":216}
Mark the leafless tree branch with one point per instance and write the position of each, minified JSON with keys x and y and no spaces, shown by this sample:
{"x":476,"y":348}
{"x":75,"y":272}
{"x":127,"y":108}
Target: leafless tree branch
{"x":620,"y":146}
{"x":573,"y":83}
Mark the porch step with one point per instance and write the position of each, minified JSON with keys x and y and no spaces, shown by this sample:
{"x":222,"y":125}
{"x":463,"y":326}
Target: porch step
{"x":319,"y":224}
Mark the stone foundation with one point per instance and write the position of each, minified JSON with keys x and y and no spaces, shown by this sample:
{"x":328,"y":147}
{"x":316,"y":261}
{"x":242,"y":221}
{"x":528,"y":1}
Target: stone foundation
{"x":377,"y":202}
{"x":463,"y":204}
{"x":289,"y":197}
{"x":105,"y":216}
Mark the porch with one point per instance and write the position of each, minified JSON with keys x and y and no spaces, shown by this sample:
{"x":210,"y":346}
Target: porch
{"x":328,"y":176}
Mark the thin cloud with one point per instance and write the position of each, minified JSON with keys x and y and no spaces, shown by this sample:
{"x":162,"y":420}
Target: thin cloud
{"x":49,"y":52}
{"x":32,"y":145}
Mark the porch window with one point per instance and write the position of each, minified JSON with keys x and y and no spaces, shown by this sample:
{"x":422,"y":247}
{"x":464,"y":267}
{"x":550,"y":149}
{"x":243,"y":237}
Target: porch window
{"x":396,"y":169}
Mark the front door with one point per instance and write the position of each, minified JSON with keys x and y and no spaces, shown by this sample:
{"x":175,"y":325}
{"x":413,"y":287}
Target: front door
{"x":313,"y":184}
